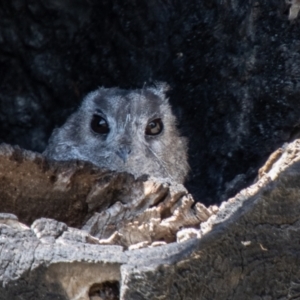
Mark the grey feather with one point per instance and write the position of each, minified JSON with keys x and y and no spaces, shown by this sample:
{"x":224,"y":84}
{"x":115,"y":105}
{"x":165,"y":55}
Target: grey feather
{"x":126,"y":146}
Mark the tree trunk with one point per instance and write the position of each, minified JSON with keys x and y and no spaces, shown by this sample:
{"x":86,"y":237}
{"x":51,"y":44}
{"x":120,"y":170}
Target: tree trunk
{"x":246,"y":250}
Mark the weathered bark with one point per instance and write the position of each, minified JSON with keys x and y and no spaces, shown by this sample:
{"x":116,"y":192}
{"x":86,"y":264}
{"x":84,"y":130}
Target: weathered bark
{"x":113,"y":207}
{"x":70,"y":192}
{"x":248,"y":250}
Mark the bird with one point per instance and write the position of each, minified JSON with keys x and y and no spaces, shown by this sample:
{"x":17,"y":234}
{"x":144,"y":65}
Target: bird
{"x":124,"y":130}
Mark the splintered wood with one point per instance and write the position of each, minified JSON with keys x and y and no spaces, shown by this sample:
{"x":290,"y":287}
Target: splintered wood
{"x":105,"y":206}
{"x":164,"y":212}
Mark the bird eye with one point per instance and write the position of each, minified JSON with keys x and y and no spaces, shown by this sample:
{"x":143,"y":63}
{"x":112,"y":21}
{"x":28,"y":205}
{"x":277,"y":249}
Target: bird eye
{"x":154,"y":127}
{"x":99,"y":125}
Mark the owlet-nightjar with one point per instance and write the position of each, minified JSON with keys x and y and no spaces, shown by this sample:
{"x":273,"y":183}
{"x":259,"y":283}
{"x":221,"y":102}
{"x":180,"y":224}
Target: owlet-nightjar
{"x":124,"y":130}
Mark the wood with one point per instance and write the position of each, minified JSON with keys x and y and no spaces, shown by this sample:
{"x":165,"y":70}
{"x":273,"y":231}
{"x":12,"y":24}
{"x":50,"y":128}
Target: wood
{"x":246,"y":250}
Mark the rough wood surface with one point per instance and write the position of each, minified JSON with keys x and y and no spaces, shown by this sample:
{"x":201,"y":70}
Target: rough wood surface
{"x":113,"y":207}
{"x":70,"y":192}
{"x":248,"y":250}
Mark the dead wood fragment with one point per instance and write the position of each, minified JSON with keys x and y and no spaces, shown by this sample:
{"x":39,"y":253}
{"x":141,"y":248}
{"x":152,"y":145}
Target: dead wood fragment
{"x":142,"y":223}
{"x":247,"y":239}
{"x":119,"y":209}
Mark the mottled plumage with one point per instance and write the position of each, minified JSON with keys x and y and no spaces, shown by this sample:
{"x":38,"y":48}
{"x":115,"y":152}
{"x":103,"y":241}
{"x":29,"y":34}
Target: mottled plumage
{"x":124,"y":130}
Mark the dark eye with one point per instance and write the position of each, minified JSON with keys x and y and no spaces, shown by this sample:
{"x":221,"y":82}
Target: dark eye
{"x":154,"y":127}
{"x":99,"y":125}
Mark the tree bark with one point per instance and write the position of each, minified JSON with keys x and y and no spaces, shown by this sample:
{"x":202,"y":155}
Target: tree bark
{"x":246,"y":250}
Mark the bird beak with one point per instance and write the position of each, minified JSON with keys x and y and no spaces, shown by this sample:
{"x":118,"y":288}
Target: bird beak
{"x":123,"y":153}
